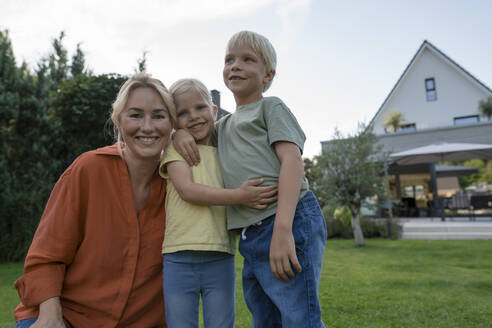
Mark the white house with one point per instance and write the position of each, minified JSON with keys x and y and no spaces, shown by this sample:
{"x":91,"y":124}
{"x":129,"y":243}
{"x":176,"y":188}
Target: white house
{"x":439,"y":101}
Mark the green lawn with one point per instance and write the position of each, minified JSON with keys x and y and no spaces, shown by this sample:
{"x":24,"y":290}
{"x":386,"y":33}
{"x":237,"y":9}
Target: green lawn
{"x":398,"y":283}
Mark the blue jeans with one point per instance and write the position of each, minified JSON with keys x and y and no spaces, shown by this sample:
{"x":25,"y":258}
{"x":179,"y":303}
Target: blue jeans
{"x":294,"y":303}
{"x":26,"y":323}
{"x":189,"y":274}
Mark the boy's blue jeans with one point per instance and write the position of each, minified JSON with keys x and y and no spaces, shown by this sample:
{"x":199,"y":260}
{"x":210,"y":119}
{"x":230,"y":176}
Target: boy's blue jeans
{"x":293,"y":303}
{"x":189,"y":274}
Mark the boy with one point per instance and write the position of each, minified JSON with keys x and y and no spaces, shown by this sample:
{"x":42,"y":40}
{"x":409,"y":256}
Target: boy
{"x":262,"y":139}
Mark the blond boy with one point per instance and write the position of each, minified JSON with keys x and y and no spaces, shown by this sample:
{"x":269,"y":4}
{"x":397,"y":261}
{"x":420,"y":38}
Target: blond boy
{"x":283,"y":244}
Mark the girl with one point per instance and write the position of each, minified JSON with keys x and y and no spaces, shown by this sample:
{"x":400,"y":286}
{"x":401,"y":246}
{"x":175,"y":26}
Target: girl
{"x":198,"y":250}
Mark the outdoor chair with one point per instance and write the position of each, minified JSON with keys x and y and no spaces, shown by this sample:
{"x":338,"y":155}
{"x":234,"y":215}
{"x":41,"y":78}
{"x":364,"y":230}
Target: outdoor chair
{"x":460,"y":201}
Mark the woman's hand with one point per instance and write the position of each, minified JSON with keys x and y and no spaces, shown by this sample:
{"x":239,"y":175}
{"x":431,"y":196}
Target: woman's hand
{"x":50,"y":314}
{"x":257,"y":197}
{"x":185,"y":145}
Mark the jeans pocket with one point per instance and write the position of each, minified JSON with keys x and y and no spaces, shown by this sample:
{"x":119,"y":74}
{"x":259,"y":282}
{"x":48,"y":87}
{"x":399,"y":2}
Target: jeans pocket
{"x":318,"y":222}
{"x":300,"y":231}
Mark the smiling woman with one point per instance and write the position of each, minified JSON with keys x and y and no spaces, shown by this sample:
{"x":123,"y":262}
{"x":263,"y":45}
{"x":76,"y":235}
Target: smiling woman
{"x":95,"y":260}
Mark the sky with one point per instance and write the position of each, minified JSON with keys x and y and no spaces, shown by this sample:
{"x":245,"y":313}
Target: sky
{"x":337,"y":60}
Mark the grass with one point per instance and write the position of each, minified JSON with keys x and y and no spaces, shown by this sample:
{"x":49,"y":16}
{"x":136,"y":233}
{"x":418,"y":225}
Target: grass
{"x":401,"y":283}
{"x":8,"y":295}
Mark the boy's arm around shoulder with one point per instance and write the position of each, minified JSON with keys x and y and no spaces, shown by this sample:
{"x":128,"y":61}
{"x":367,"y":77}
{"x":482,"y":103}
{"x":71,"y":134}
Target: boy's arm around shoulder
{"x":282,"y":248}
{"x":185,"y":145}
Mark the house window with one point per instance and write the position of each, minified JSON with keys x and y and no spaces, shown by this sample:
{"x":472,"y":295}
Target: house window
{"x":430,"y":89}
{"x":408,"y":127}
{"x":416,"y":191}
{"x":464,"y":120}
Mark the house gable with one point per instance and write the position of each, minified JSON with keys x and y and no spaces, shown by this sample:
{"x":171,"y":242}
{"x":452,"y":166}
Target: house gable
{"x":457,"y":92}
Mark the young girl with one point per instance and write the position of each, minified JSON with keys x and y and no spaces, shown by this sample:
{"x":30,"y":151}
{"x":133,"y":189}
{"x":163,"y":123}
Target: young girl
{"x":198,"y":250}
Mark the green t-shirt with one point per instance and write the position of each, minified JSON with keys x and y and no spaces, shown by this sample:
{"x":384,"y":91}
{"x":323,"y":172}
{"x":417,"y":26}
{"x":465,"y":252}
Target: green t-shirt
{"x":245,"y":142}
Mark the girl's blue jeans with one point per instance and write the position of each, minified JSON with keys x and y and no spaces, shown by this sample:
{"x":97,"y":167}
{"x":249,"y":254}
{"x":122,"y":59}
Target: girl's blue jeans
{"x":187,"y":275}
{"x":26,"y":323}
{"x":287,"y":304}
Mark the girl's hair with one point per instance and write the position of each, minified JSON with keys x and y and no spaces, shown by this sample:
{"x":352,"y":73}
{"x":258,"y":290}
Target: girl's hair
{"x":184,"y":85}
{"x":260,"y":45}
{"x":140,"y":80}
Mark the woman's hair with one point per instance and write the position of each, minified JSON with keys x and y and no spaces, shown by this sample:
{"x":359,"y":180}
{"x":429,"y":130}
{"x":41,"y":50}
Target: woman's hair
{"x":184,"y":85}
{"x":141,"y":80}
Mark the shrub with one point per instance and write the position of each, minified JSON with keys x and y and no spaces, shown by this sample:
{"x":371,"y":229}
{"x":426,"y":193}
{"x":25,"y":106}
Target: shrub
{"x":338,"y":224}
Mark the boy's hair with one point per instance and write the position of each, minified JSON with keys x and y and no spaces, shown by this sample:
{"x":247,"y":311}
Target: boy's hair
{"x":260,"y":45}
{"x":184,"y":85}
{"x":140,"y":80}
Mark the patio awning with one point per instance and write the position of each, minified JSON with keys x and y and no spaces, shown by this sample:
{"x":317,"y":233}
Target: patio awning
{"x":441,"y":170}
{"x":442,"y":152}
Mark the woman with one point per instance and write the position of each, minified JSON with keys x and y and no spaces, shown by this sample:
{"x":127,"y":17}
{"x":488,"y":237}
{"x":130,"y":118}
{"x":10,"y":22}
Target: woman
{"x":95,"y":260}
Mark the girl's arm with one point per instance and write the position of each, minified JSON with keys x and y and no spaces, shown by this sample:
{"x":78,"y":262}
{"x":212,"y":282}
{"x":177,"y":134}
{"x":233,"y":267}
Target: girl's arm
{"x":249,"y":194}
{"x":282,"y":247}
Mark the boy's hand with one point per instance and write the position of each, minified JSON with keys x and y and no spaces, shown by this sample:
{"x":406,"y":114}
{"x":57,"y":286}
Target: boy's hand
{"x":185,"y":145}
{"x":283,"y":254}
{"x":257,"y":197}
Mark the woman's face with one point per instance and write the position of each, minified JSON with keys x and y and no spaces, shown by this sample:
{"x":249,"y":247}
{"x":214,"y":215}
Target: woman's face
{"x":144,"y":124}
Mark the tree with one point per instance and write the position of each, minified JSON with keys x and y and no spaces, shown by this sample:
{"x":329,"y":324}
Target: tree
{"x":314,"y":175}
{"x":58,"y":62}
{"x":24,"y":170}
{"x":351,"y":166}
{"x":9,"y":101}
{"x":484,"y":173}
{"x":78,"y":63}
{"x":80,"y":115}
{"x":48,"y":116}
{"x":485,"y":107}
{"x":142,"y":63}
{"x":394,"y":120}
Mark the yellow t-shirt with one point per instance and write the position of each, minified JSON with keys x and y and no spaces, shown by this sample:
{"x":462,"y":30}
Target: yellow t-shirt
{"x":195,"y":227}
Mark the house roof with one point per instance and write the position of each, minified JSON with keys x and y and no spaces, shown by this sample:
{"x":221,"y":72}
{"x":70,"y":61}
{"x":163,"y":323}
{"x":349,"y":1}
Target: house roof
{"x":427,"y":45}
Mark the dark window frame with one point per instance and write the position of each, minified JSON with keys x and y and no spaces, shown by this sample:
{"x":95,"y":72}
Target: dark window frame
{"x":430,"y":93}
{"x":408,"y":127}
{"x":466,"y":117}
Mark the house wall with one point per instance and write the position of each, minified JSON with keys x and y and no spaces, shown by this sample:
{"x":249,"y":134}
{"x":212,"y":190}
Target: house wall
{"x":457,"y":94}
{"x":480,"y":133}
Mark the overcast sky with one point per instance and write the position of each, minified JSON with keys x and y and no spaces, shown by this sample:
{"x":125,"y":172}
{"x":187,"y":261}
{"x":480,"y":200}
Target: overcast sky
{"x":337,"y":60}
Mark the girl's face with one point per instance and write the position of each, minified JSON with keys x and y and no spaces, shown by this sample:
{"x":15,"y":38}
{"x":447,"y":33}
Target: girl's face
{"x":195,"y":115}
{"x":144,"y":124}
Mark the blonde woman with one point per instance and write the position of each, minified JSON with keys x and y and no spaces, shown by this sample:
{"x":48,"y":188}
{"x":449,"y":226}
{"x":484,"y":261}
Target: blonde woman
{"x":95,"y":260}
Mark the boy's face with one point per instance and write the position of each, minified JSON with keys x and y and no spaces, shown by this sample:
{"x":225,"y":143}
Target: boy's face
{"x":195,"y":115}
{"x":245,"y":74}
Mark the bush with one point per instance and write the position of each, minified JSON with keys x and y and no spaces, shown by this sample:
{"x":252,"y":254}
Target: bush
{"x":338,"y":223}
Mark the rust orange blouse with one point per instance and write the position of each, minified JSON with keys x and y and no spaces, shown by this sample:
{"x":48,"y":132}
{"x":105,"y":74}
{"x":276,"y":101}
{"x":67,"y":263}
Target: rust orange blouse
{"x":93,"y":251}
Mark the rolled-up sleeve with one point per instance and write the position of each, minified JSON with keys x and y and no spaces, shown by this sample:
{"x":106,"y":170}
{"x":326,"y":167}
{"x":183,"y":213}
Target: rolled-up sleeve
{"x":55,"y":242}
